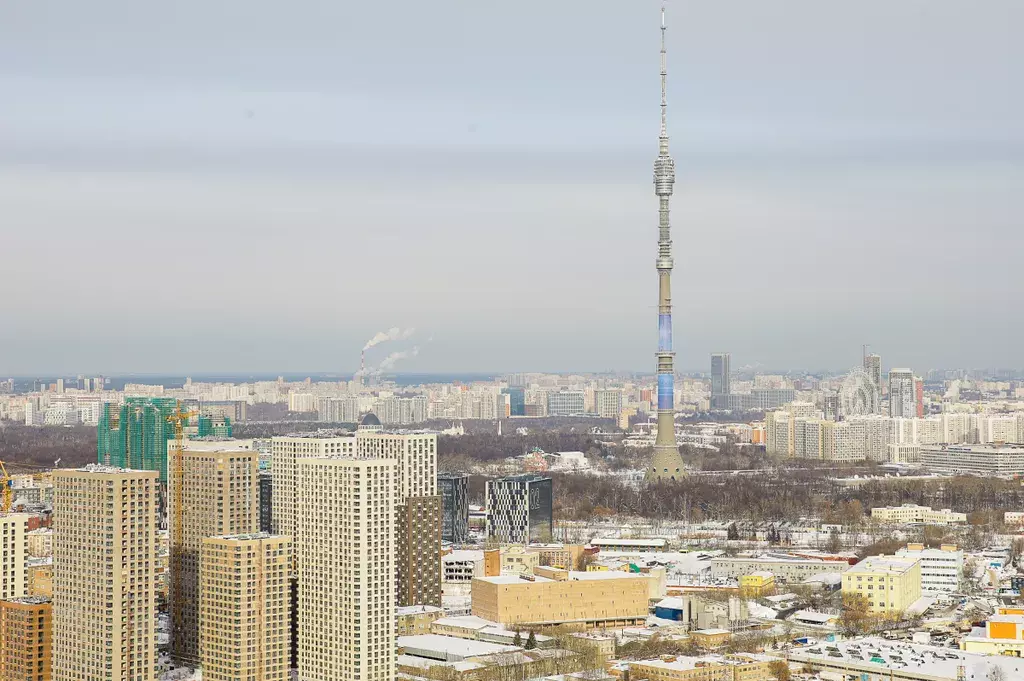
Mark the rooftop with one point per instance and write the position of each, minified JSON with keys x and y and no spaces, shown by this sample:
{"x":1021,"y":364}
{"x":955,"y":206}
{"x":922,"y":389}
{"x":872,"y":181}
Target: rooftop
{"x":448,"y":648}
{"x":416,"y":610}
{"x":877,"y":656}
{"x":889,"y":564}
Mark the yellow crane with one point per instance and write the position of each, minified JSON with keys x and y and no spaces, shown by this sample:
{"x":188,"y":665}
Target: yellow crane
{"x":6,"y":494}
{"x":176,"y":467}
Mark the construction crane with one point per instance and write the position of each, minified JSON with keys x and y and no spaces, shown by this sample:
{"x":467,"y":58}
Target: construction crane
{"x":7,"y":493}
{"x":177,"y":539}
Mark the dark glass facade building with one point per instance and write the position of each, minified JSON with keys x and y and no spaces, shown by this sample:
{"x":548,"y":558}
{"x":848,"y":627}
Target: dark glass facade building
{"x":454,"y":491}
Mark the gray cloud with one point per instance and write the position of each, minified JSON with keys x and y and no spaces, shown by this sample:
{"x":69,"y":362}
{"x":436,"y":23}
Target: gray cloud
{"x":262,"y":186}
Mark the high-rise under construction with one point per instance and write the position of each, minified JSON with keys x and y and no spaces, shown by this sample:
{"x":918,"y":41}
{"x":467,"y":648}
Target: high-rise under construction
{"x":134,"y":435}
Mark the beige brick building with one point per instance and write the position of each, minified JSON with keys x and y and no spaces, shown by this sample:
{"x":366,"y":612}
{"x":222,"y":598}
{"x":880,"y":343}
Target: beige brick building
{"x":104,"y":557}
{"x":742,"y":667}
{"x":285,"y":451}
{"x":245,"y":607}
{"x":220,"y":497}
{"x":13,"y":554}
{"x":889,"y":584}
{"x":26,"y":634}
{"x":596,"y":598}
{"x":347,"y":566}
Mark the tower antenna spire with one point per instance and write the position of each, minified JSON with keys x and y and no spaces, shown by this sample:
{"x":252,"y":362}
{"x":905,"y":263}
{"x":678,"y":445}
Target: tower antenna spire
{"x":664,"y":78}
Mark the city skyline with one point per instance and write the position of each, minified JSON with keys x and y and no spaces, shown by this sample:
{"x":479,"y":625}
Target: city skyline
{"x":269,"y":182}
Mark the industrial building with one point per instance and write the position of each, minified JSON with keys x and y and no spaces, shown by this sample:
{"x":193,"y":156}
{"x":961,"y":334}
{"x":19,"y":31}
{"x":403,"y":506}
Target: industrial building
{"x":789,"y":569}
{"x":519,"y":509}
{"x":346,"y":563}
{"x":219,"y":496}
{"x":245,"y":607}
{"x":555,"y":596}
{"x":104,"y":591}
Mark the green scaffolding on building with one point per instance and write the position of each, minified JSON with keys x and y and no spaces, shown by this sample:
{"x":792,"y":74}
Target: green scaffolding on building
{"x":215,"y":426}
{"x":136,"y":434}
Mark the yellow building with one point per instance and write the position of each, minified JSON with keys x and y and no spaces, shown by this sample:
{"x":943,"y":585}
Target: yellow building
{"x":912,"y":513}
{"x":40,"y":543}
{"x":26,"y":635}
{"x":245,"y":607}
{"x":560,"y":596}
{"x":517,"y":560}
{"x":219,"y":497}
{"x":744,"y":667}
{"x":710,"y":639}
{"x":40,"y":577}
{"x":416,"y":619}
{"x":757,"y":585}
{"x":889,"y":584}
{"x":13,"y":553}
{"x":104,"y":589}
{"x":565,"y":556}
{"x":1003,"y":635}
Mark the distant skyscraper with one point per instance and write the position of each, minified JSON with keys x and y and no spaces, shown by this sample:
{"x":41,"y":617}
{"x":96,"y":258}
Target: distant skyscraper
{"x":519,"y":509}
{"x":608,"y":403}
{"x":873,"y":365}
{"x":721,"y":383}
{"x":666,"y":463}
{"x":134,"y":435}
{"x":566,"y":403}
{"x":902,"y":397}
{"x":454,"y":491}
{"x":516,"y":400}
{"x":919,"y":397}
{"x":245,"y":606}
{"x":104,"y":574}
{"x":346,"y":544}
{"x":219,"y":497}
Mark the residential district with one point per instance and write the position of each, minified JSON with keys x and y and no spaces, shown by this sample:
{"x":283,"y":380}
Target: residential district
{"x":184,"y":551}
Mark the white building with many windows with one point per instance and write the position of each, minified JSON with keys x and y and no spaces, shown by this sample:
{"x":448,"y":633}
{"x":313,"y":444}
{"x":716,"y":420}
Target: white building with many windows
{"x":940,"y":568}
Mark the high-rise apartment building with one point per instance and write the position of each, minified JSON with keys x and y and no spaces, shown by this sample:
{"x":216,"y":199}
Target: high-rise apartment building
{"x":418,"y":546}
{"x":608,"y":403}
{"x":873,"y":367}
{"x":918,"y":397}
{"x":454,"y":491}
{"x":902,"y":398}
{"x":245,"y":607}
{"x":346,"y":546}
{"x":104,"y":574}
{"x":285,"y":451}
{"x":566,"y":403}
{"x":26,"y":636}
{"x":13,"y":554}
{"x":721,"y":377}
{"x":266,"y":501}
{"x":134,"y":435}
{"x":219,"y":497}
{"x":519,"y":509}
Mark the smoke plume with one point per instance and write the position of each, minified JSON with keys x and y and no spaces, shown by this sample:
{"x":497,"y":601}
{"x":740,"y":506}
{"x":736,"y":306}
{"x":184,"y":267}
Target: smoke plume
{"x":392,"y":334}
{"x":390,"y":360}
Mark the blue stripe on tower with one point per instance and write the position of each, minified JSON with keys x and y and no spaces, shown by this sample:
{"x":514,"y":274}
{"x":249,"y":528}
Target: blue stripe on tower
{"x":665,"y":390}
{"x":665,"y":332}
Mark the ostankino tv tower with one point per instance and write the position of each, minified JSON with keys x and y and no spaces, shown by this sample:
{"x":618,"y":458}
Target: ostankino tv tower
{"x":667,"y":464}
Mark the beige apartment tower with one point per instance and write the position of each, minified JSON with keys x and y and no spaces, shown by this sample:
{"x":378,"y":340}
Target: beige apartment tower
{"x":285,"y":451}
{"x":245,"y":607}
{"x":104,"y":582}
{"x":13,"y":554}
{"x":346,"y":545}
{"x":219,"y":497}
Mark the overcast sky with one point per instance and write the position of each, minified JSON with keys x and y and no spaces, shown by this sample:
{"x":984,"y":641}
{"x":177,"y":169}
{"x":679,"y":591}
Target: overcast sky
{"x":229,"y":186}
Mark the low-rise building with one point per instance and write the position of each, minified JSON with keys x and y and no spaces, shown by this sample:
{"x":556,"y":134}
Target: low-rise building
{"x":912,"y":513}
{"x":416,"y":619}
{"x":940,"y":568}
{"x":982,"y":459}
{"x":785,"y":568}
{"x":743,"y":667}
{"x":516,"y":560}
{"x":757,"y":584}
{"x":461,"y":566}
{"x":889,"y":584}
{"x":875,"y":659}
{"x":619,"y":544}
{"x":562,"y":597}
